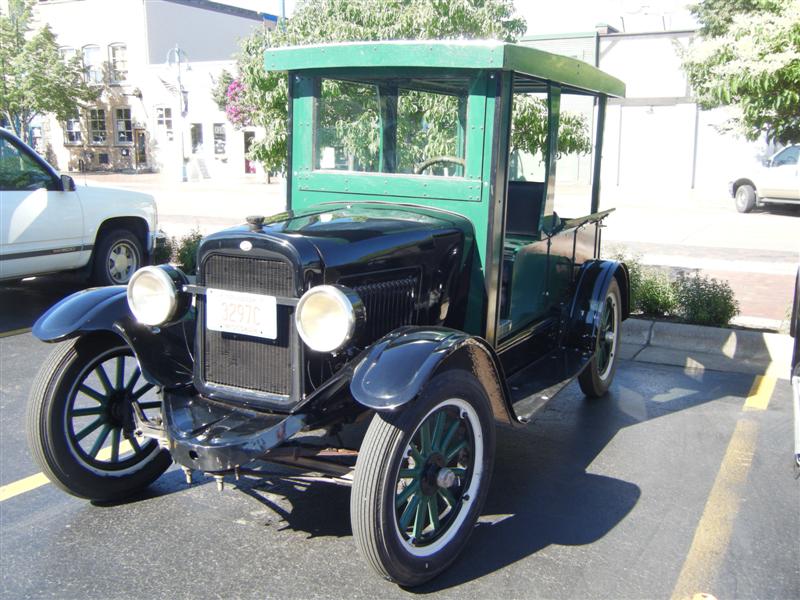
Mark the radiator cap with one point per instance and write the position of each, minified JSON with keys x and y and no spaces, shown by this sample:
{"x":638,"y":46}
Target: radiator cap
{"x":256,"y":222}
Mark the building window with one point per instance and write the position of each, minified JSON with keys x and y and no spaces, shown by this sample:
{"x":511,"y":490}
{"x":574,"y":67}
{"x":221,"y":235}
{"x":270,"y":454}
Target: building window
{"x":67,"y":53}
{"x":118,"y":62}
{"x":97,"y":126}
{"x":72,"y":130}
{"x":164,"y":117}
{"x":92,"y":66}
{"x":124,"y":126}
{"x":219,"y":138}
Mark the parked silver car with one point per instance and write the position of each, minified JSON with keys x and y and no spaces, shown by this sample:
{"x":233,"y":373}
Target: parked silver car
{"x":776,"y":181}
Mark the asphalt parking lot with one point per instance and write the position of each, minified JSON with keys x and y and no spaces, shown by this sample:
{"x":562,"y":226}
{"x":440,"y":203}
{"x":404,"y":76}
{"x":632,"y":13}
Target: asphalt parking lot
{"x":680,"y":482}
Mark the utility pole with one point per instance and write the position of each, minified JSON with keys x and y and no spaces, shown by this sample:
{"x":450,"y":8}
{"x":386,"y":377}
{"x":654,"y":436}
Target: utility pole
{"x":183,"y":100}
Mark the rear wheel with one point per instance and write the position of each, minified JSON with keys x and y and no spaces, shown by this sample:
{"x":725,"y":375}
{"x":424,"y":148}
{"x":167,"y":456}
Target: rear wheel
{"x":596,"y":378}
{"x":80,"y":420}
{"x":745,"y":198}
{"x":119,"y":254}
{"x":421,"y":479}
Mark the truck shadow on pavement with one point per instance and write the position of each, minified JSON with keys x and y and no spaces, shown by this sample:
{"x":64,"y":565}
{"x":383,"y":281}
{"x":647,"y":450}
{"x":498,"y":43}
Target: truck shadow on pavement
{"x":541,"y":493}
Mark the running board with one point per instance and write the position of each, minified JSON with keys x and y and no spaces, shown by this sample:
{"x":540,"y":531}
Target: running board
{"x":535,"y":385}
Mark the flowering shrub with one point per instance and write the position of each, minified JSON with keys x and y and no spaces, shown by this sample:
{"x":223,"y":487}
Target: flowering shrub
{"x":236,"y":108}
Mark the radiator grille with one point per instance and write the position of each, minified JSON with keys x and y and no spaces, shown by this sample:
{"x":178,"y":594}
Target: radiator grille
{"x":389,"y":305}
{"x":245,"y":274}
{"x":249,"y":363}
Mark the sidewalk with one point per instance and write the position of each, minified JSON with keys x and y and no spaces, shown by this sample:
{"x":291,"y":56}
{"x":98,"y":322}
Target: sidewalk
{"x":756,"y":253}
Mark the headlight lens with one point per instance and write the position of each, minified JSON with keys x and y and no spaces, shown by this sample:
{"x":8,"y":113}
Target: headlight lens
{"x":327,"y":315}
{"x":152,"y":296}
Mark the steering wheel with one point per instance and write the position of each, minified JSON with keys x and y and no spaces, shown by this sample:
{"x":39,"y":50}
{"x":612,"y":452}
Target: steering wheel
{"x":436,"y":160}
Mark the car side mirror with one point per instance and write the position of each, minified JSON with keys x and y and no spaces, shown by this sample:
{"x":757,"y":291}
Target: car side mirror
{"x":67,"y":183}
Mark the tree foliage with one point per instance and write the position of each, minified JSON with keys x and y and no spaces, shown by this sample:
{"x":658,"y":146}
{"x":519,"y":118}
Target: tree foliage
{"x":260,"y":97}
{"x":219,"y":91}
{"x":34,"y":78}
{"x":748,"y":57}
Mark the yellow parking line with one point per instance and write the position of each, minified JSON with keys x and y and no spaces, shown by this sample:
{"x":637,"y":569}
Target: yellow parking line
{"x":39,"y":479}
{"x":22,"y":486}
{"x":760,"y":393}
{"x":713,"y":532}
{"x":714,"y":529}
{"x":14,"y":332}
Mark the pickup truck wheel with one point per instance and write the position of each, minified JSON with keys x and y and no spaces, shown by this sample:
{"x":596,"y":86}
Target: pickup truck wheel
{"x":80,"y":420}
{"x":118,"y":256}
{"x":745,"y":198}
{"x":421,"y":478}
{"x":596,"y":378}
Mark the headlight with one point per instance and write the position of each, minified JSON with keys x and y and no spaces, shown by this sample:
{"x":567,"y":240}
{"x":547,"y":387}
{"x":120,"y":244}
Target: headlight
{"x":327,"y":316}
{"x":154,"y":296}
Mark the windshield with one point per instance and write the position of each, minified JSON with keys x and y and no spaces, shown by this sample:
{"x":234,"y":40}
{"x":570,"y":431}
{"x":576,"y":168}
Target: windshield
{"x":392,"y":125}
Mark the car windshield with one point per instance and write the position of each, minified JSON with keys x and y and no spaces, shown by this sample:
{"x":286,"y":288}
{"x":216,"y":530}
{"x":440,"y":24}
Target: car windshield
{"x":392,"y":125}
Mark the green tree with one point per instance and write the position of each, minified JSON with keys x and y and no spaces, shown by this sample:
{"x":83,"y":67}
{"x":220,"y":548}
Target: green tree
{"x":34,"y":79}
{"x":219,"y":92}
{"x":261,"y":97}
{"x":747,"y":56}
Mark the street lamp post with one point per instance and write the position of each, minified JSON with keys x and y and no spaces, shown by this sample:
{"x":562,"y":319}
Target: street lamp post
{"x":174,"y":54}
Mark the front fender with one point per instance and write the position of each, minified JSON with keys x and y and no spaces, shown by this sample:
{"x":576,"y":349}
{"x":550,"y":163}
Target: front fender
{"x":88,"y":310}
{"x":396,"y":368}
{"x":164,"y":354}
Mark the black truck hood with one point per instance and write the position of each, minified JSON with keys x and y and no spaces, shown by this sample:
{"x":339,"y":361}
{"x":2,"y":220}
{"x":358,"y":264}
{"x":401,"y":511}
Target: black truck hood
{"x":349,"y":239}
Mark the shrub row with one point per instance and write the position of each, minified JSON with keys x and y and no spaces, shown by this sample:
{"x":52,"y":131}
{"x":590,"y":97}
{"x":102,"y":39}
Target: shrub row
{"x":693,"y":298}
{"x":182,"y":252}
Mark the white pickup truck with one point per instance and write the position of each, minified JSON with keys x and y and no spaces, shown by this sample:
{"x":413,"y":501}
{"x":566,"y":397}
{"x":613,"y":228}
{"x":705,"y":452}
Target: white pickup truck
{"x":776,"y":181}
{"x":47,"y":225}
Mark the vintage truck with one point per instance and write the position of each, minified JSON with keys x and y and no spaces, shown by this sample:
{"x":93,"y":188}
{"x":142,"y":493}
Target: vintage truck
{"x":421,"y":284}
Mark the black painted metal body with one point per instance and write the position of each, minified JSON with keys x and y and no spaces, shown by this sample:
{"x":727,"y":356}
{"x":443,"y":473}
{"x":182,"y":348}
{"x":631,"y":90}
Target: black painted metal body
{"x":418,"y":258}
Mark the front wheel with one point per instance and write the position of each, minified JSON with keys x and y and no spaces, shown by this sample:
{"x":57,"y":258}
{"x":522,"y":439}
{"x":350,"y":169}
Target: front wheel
{"x":80,"y":420}
{"x":421,"y":478}
{"x":596,"y":378}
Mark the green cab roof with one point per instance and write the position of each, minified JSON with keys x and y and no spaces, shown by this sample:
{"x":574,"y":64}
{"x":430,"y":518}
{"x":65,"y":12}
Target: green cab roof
{"x":446,"y":54}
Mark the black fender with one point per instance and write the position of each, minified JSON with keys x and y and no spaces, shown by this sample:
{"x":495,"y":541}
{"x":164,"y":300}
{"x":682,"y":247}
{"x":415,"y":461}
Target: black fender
{"x":394,"y":370}
{"x":164,"y":354}
{"x":594,"y":279}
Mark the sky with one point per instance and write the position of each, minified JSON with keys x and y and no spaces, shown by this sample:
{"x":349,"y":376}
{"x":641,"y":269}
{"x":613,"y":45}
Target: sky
{"x":564,"y":16}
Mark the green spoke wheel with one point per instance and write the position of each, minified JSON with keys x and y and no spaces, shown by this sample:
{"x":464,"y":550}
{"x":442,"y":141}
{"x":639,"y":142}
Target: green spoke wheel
{"x":421,"y":479}
{"x":417,"y":478}
{"x":597,"y":376}
{"x":81,"y":420}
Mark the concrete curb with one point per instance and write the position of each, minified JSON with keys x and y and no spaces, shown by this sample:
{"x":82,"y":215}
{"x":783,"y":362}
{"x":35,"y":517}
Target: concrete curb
{"x":713,"y":348}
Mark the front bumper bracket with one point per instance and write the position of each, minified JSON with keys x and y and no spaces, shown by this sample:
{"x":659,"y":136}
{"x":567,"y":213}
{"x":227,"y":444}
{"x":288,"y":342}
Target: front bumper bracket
{"x":213,"y":437}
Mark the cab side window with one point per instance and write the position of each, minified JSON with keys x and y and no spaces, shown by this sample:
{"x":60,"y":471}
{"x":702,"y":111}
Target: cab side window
{"x":20,"y":172}
{"x":788,"y":156}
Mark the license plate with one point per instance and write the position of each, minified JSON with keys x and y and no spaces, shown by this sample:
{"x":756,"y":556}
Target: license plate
{"x":245,"y":314}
